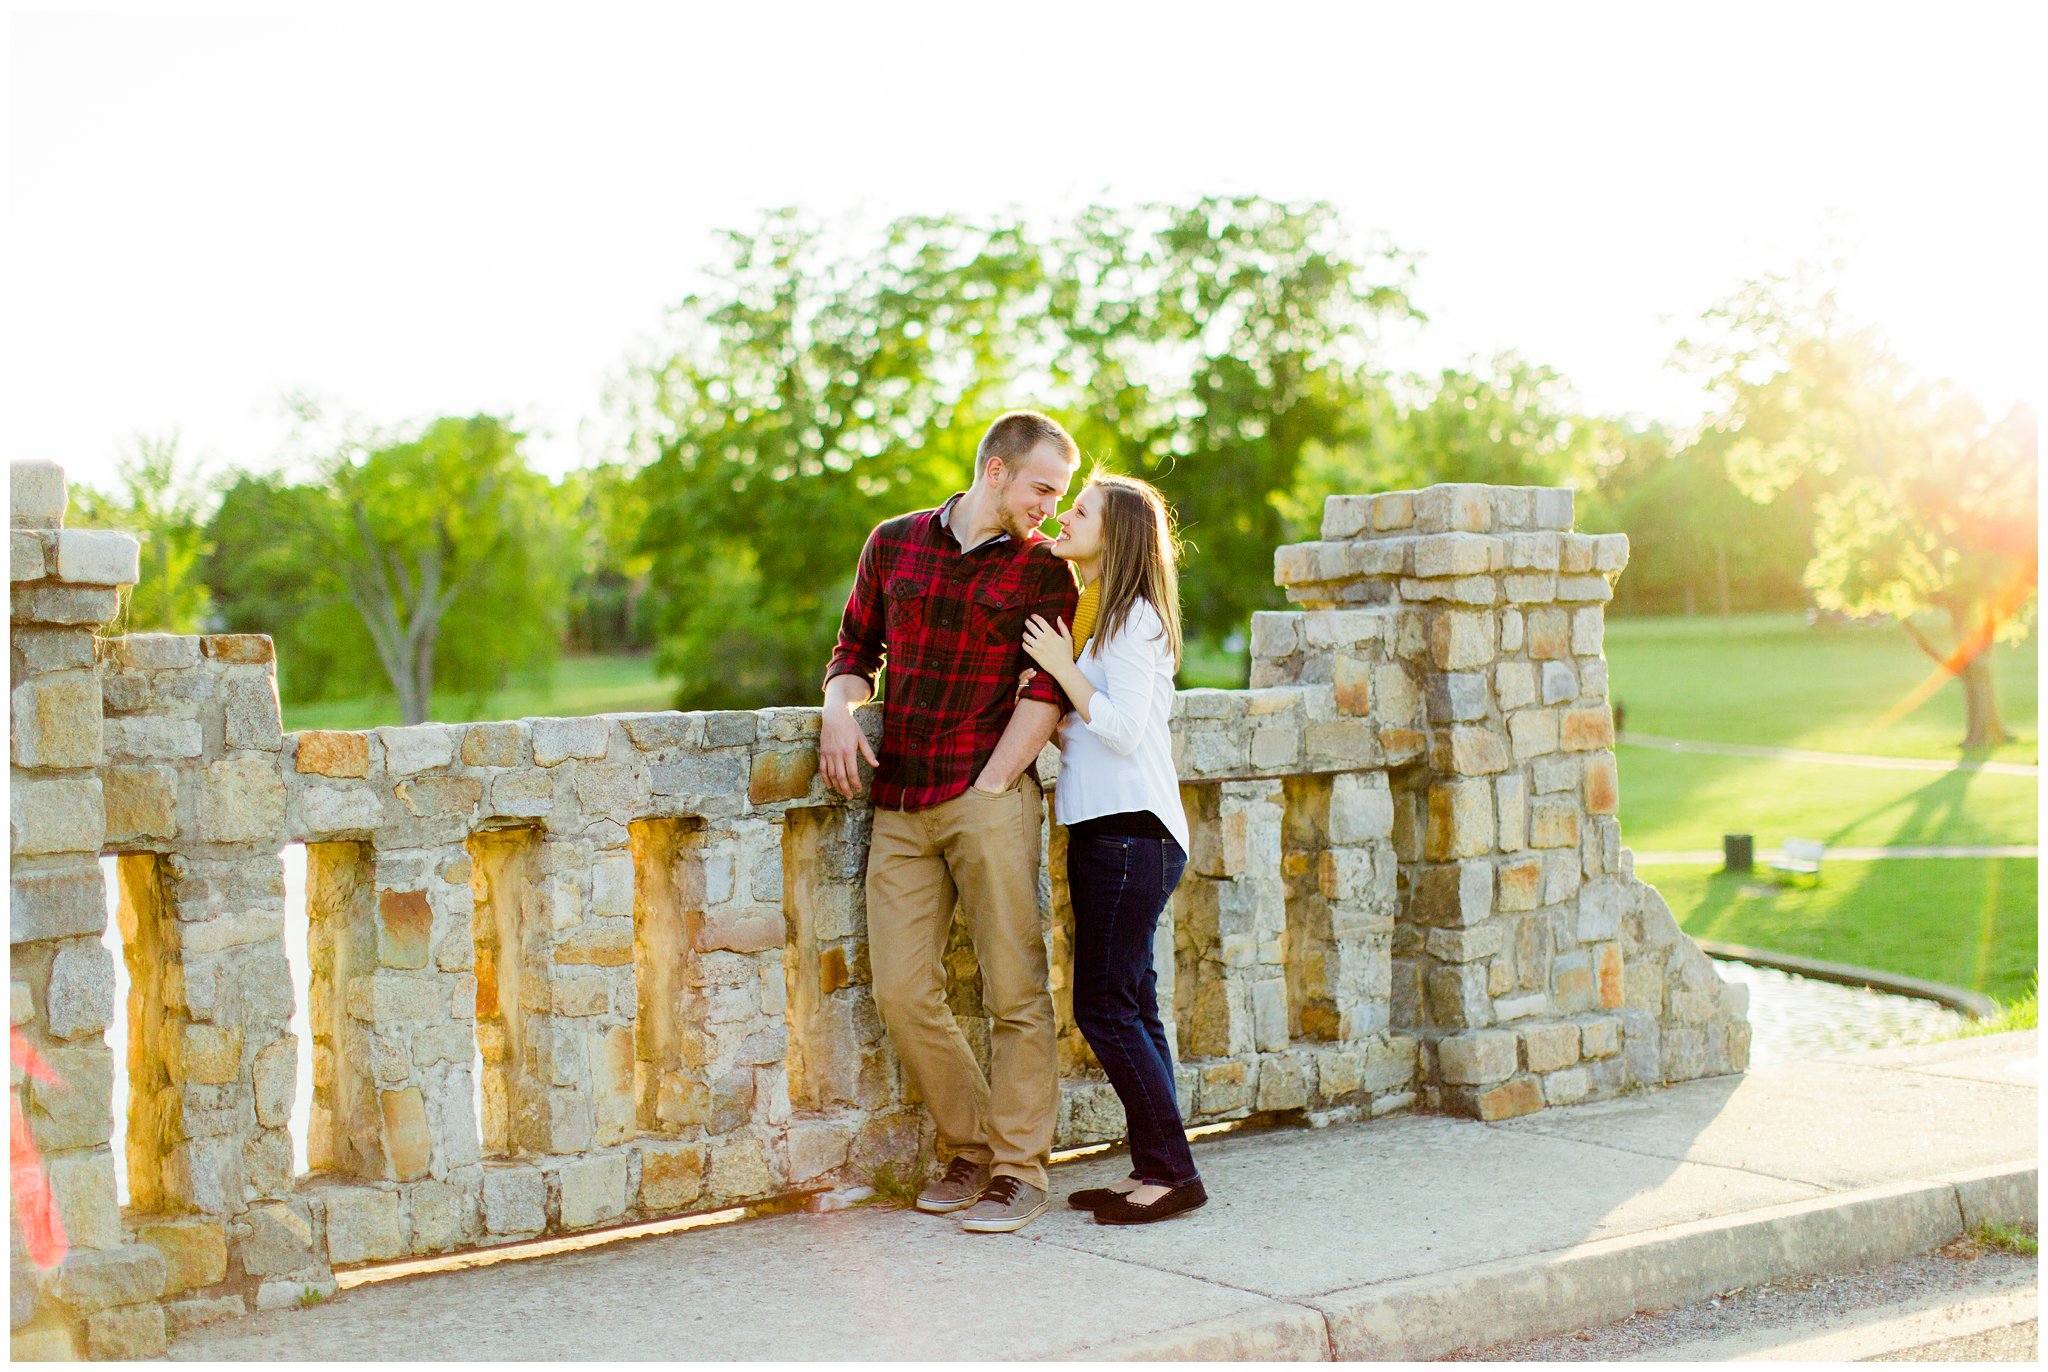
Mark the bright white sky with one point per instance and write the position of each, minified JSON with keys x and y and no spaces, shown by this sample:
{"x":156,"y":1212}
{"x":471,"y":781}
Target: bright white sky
{"x":457,"y":210}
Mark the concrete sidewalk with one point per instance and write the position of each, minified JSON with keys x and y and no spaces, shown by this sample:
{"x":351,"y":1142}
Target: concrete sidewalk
{"x":1403,"y":1239}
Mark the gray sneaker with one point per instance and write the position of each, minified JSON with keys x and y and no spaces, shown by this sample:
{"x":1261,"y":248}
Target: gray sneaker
{"x":1009,"y":1204}
{"x":960,"y":1187}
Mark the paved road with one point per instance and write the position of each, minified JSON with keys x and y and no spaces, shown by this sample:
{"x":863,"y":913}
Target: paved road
{"x":1954,"y":1304}
{"x":1895,"y":764}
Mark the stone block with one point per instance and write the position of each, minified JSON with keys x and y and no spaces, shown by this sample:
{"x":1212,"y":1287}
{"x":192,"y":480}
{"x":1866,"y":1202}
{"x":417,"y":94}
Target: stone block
{"x":250,"y":713}
{"x":1549,"y":634}
{"x":1455,"y":554}
{"x":333,"y":753}
{"x":1520,"y":885}
{"x":1553,"y":822}
{"x":56,"y":815}
{"x":36,"y":494}
{"x":494,"y":745}
{"x":1460,"y":820}
{"x":521,"y":794}
{"x":1533,"y":733}
{"x":1457,"y":996}
{"x":80,"y":997}
{"x":593,"y":1190}
{"x":1393,"y":510}
{"x":417,"y":748}
{"x":1275,"y":633}
{"x":1473,"y":751}
{"x":76,"y":1114}
{"x":1586,"y":730}
{"x":405,"y":927}
{"x":1594,"y":587}
{"x":598,"y":942}
{"x":1283,"y":1082}
{"x":98,"y":557}
{"x":1477,"y":1058}
{"x":671,"y":1175}
{"x":408,"y":1141}
{"x":1567,"y":1087}
{"x":558,"y":740}
{"x":1455,"y":697}
{"x":199,"y":1311}
{"x":1509,"y":1100}
{"x":1530,"y":552}
{"x":1599,"y":911}
{"x":241,"y":649}
{"x":56,"y":721}
{"x":276,"y":1078}
{"x":141,"y":802}
{"x":1552,"y":774}
{"x":1511,"y":812}
{"x":362,"y":1224}
{"x":45,"y":602}
{"x":91,"y":1281}
{"x":1452,"y":895}
{"x":25,"y":558}
{"x":782,"y":774}
{"x":1609,"y":972}
{"x":1464,"y":945}
{"x":1514,"y":684}
{"x":275,"y":1238}
{"x":439,"y":1215}
{"x":1548,"y":1047}
{"x":1513,"y":631}
{"x":241,"y":800}
{"x":1529,"y":588}
{"x":52,"y":650}
{"x":1361,"y":808}
{"x":58,"y":902}
{"x":152,"y":736}
{"x":1346,"y":516}
{"x":128,"y":1333}
{"x":1454,"y":508}
{"x":514,"y":1199}
{"x":1559,"y":685}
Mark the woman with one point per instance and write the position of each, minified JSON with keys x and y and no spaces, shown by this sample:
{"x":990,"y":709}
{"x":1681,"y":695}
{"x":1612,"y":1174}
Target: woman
{"x":1127,"y":835}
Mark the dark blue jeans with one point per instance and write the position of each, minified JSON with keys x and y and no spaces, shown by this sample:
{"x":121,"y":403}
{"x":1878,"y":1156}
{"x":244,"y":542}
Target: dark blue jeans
{"x":1119,"y":884}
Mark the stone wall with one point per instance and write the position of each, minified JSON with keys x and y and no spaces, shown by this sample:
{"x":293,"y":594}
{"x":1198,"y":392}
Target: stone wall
{"x":641,"y":939}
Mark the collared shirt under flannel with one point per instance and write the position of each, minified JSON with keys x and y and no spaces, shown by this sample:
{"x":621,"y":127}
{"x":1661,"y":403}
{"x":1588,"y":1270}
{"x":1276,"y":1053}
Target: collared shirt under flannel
{"x":950,"y":626}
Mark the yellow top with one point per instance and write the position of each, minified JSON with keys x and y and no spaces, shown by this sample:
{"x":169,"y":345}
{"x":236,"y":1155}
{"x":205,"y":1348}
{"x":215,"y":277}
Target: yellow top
{"x":1084,"y":615}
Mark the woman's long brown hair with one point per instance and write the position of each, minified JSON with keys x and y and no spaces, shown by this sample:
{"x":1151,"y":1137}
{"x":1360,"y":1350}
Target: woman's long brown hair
{"x":1139,"y":553}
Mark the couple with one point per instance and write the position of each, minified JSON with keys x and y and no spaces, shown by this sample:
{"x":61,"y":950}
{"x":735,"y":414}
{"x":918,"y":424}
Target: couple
{"x":956,"y":599}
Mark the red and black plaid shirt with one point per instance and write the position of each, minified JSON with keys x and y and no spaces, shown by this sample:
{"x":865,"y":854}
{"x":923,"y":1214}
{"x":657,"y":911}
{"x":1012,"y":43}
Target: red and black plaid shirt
{"x":951,"y":626}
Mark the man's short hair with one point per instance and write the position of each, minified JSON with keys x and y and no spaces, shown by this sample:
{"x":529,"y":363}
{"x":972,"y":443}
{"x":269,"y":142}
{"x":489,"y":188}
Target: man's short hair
{"x":1015,"y":434}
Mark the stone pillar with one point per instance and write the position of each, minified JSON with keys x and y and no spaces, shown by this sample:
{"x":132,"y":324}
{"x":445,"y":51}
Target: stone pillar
{"x":64,"y":583}
{"x":1509,"y":958}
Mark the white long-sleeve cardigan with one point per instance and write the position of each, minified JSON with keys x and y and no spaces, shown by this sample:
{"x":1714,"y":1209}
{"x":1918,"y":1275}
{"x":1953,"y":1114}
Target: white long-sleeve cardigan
{"x":1121,"y":757}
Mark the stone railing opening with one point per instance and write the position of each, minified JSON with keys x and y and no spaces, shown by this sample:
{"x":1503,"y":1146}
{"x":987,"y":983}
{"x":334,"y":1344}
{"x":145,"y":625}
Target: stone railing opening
{"x":569,"y":973}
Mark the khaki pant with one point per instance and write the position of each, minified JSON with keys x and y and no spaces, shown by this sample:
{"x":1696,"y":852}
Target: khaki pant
{"x":982,"y":850}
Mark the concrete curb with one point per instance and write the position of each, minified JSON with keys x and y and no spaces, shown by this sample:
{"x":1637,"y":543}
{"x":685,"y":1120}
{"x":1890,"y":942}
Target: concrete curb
{"x":1424,"y":1318}
{"x":1280,"y":1332}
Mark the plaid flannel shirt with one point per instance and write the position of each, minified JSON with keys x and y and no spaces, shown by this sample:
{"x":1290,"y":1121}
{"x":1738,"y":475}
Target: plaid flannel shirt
{"x":950,"y":626}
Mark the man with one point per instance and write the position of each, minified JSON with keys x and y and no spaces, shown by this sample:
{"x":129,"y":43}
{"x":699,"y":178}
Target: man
{"x":944,"y":594}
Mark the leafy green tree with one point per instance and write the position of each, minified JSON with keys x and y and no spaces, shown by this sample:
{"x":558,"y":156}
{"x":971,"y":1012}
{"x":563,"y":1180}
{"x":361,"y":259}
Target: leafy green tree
{"x":813,"y":392}
{"x":604,"y":510}
{"x":444,"y":547}
{"x":163,"y":503}
{"x":1211,"y":349}
{"x":1924,"y":505}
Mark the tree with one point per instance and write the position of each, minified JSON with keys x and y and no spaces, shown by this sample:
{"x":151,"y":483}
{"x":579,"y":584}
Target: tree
{"x":1923,"y":504}
{"x":443,"y":548}
{"x":165,"y":507}
{"x":1211,"y":348}
{"x":810,"y":394}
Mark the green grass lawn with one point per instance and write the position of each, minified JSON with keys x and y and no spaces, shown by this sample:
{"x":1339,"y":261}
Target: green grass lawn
{"x":1967,"y":923}
{"x":1689,"y":800}
{"x":580,"y":686}
{"x":1769,"y":679}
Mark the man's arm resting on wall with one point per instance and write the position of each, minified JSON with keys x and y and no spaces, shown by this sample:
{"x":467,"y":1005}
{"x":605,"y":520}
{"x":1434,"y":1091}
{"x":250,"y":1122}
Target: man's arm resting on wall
{"x":1031,"y":727}
{"x":841,"y":744}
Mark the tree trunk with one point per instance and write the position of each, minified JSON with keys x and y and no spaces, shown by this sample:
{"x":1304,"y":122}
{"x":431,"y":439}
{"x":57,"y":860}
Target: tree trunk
{"x":1721,"y":577}
{"x":1982,"y":727}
